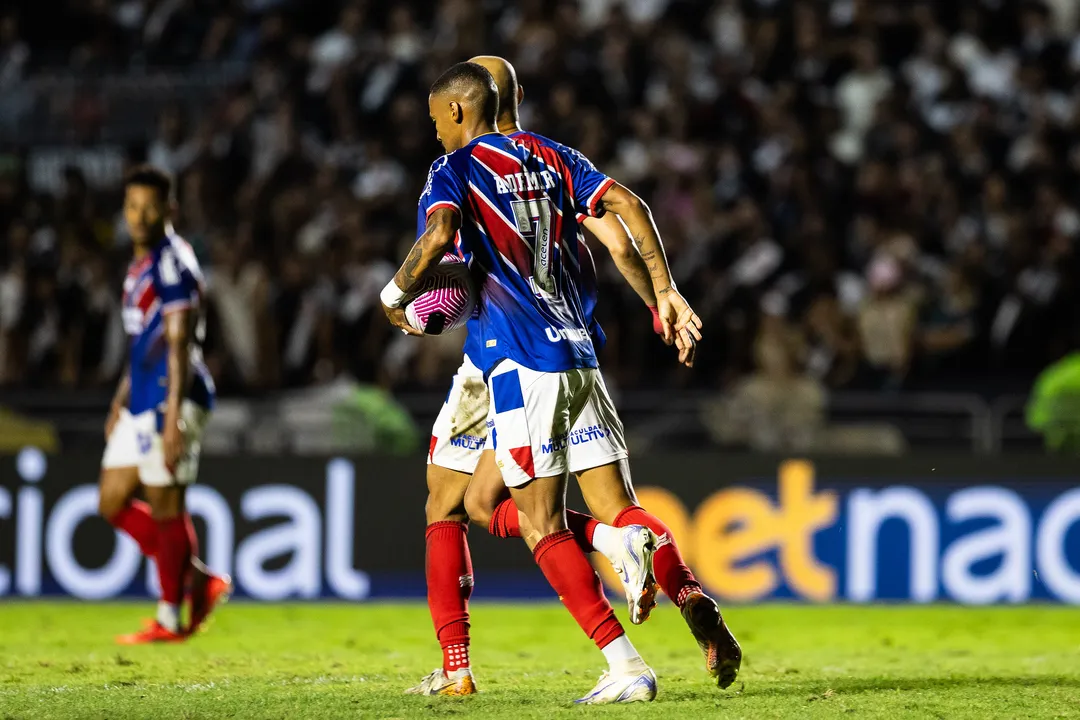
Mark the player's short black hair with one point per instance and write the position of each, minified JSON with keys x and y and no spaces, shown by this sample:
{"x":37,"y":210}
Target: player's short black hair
{"x":152,"y":177}
{"x":474,"y":84}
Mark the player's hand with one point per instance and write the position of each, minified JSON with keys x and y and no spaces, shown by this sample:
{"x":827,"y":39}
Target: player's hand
{"x":677,"y":317}
{"x":687,"y":348}
{"x":110,"y":422}
{"x":172,"y":441}
{"x":397,"y":318}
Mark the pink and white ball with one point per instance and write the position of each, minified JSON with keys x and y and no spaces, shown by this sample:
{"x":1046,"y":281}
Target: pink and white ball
{"x":445,"y":301}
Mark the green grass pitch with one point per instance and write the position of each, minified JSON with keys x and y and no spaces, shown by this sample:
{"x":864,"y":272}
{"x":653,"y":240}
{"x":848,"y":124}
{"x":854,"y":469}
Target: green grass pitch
{"x":292,"y":661}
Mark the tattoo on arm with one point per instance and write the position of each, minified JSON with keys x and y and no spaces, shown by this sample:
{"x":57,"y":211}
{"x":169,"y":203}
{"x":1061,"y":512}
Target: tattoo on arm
{"x":407,"y":274}
{"x":429,"y":248}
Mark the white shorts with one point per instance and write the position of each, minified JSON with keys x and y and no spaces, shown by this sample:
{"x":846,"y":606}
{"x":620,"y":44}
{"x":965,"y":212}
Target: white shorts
{"x":136,"y":442}
{"x":461,"y":430}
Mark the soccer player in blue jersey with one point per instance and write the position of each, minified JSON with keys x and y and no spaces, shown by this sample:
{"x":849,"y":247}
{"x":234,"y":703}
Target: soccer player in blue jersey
{"x":160,"y":409}
{"x":514,"y":210}
{"x":597,"y":455}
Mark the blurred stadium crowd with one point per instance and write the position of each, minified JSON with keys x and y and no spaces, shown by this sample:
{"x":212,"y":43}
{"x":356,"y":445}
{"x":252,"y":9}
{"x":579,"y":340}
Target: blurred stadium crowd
{"x":860,"y":194}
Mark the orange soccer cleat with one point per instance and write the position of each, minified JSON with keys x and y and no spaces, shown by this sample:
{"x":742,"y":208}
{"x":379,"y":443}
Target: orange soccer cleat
{"x":153,"y":632}
{"x":207,"y":592}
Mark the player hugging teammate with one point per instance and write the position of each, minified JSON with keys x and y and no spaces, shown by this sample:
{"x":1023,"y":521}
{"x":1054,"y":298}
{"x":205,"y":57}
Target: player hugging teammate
{"x":509,"y":202}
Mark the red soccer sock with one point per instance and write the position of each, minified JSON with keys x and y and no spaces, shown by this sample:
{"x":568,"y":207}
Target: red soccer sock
{"x":448,"y":568}
{"x":135,"y":520}
{"x":672,"y":574}
{"x":505,"y":523}
{"x":173,"y":557}
{"x":582,"y":526}
{"x":573,"y":578}
{"x":193,"y":538}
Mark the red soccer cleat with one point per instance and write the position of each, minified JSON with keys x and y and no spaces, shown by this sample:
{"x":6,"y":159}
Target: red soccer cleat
{"x":152,"y":633}
{"x":206,"y":593}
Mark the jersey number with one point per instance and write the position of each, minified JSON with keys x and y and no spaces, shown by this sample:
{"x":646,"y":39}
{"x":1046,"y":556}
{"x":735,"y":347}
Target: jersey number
{"x":533,"y":219}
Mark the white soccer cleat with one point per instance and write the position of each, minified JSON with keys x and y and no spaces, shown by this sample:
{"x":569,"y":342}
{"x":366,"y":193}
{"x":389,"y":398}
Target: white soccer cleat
{"x":632,"y":687}
{"x":635,"y":568}
{"x":459,"y":682}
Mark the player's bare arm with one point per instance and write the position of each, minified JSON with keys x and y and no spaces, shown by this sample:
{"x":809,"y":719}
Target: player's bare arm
{"x":178,"y":336}
{"x":119,"y":401}
{"x":426,"y":252}
{"x":610,"y":232}
{"x":680,"y":321}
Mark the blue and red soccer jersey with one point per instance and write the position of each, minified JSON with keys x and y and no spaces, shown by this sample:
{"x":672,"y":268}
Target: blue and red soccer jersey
{"x":167,"y":279}
{"x":520,"y":200}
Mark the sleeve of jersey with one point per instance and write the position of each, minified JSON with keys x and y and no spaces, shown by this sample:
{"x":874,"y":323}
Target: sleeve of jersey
{"x":589,"y":184}
{"x":176,"y":287}
{"x":445,"y":189}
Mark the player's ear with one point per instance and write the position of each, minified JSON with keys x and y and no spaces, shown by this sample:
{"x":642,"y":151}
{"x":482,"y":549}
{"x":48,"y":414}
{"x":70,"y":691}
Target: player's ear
{"x":521,"y":94}
{"x":456,"y":112}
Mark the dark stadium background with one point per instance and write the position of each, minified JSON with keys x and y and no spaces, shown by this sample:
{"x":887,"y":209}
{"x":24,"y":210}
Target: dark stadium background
{"x":871,"y":203}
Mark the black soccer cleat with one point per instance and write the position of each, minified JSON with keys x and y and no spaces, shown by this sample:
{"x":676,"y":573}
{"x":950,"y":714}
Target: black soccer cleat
{"x":723,"y":656}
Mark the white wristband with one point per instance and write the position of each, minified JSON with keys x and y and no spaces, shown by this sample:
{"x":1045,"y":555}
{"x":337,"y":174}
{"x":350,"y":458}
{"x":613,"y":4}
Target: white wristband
{"x":392,"y":295}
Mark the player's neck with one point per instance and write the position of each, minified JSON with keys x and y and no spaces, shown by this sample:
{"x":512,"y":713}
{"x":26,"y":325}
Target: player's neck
{"x":509,"y":126}
{"x":141,"y":250}
{"x":481,"y":128}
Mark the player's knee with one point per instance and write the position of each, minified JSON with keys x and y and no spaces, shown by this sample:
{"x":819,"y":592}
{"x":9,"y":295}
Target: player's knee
{"x":479,"y":508}
{"x":445,"y":506}
{"x":111,"y":499}
{"x":109,"y":503}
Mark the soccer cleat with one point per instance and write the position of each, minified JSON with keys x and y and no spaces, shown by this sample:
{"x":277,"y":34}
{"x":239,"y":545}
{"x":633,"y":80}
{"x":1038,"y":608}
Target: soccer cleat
{"x":207,"y":593}
{"x":632,"y":687}
{"x":153,"y":632}
{"x":635,"y":568}
{"x":459,"y":682}
{"x":723,"y":656}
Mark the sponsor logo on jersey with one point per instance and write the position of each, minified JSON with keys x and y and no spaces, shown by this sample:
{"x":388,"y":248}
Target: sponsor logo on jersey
{"x":469,"y":442}
{"x":572,"y":334}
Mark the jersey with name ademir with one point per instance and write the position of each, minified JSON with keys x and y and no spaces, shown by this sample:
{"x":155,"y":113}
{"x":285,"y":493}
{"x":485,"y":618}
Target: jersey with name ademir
{"x":167,"y":279}
{"x":520,"y":200}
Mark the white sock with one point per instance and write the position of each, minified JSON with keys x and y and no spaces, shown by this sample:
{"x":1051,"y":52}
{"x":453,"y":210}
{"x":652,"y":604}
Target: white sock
{"x":168,"y":616}
{"x":622,"y":657}
{"x":608,"y":542}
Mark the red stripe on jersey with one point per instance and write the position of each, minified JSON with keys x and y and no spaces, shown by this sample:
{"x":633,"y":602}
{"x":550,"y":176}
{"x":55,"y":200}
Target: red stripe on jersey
{"x":146,"y":297}
{"x":550,"y":157}
{"x":497,"y":161}
{"x":506,"y":238}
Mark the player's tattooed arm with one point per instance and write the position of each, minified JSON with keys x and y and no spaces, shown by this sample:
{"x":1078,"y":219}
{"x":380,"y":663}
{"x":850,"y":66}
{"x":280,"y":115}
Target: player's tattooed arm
{"x":680,"y":322}
{"x":429,"y":248}
{"x":178,"y":339}
{"x":610,"y":231}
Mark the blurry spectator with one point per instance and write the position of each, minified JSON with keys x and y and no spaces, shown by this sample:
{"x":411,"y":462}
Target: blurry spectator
{"x":238,"y":290}
{"x":776,"y":408}
{"x":858,"y":95}
{"x":172,"y":150}
{"x":887,"y":322}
